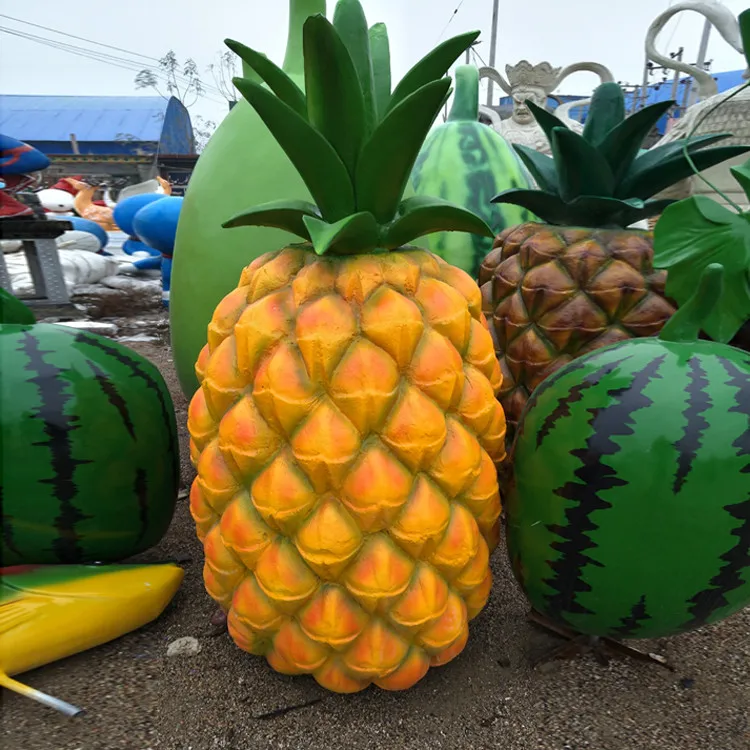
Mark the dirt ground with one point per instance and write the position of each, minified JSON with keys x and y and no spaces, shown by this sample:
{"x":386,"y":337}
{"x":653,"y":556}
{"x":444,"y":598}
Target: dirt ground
{"x":136,"y":698}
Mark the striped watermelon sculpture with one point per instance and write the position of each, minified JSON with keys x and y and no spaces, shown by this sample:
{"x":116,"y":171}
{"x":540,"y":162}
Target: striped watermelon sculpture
{"x":89,"y":464}
{"x":630,"y":514}
{"x":466,"y":163}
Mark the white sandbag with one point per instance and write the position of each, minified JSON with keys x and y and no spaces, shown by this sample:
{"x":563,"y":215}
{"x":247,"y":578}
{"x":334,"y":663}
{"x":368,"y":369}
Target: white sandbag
{"x":78,"y":267}
{"x":76,"y":240}
{"x":131,"y":284}
{"x":11,"y":246}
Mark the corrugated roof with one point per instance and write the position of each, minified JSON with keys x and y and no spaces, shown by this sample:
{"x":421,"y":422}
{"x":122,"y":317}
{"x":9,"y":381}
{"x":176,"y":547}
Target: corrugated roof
{"x":90,"y":118}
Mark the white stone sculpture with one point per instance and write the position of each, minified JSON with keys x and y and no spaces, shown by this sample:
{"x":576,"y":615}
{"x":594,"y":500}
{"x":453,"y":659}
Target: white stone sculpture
{"x":731,"y":117}
{"x":534,"y":82}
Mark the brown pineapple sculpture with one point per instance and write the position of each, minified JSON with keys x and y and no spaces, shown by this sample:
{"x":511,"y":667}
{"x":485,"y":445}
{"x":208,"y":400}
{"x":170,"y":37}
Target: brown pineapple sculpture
{"x":583,"y":280}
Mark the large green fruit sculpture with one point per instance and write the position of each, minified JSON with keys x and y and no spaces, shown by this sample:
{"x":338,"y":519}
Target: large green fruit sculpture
{"x":630,"y":515}
{"x":467,"y":163}
{"x":242,"y":166}
{"x":89,"y":460}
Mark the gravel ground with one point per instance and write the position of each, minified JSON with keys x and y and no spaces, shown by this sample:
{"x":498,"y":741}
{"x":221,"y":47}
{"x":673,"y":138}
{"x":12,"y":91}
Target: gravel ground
{"x":138,"y":699}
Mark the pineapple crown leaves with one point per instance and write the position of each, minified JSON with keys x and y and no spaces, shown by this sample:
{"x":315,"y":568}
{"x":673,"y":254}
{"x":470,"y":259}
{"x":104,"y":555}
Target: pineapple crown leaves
{"x":353,"y":140}
{"x":697,"y":232}
{"x":599,"y":178}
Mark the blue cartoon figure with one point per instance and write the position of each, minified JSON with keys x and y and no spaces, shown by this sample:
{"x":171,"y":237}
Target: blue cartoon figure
{"x":124,"y":214}
{"x":154,"y":225}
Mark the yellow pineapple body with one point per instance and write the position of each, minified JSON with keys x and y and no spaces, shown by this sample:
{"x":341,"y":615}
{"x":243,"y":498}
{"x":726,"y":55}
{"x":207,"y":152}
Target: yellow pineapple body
{"x":344,"y":436}
{"x":555,"y":293}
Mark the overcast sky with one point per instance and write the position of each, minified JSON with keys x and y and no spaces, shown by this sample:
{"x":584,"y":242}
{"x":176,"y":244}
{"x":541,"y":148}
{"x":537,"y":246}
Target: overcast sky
{"x":562,"y":32}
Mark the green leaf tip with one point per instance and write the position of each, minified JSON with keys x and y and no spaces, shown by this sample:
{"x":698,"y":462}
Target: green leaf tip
{"x":336,"y":105}
{"x":744,"y":21}
{"x":286,"y":215}
{"x":358,"y":233}
{"x":13,"y":311}
{"x":273,"y":76}
{"x":685,"y":325}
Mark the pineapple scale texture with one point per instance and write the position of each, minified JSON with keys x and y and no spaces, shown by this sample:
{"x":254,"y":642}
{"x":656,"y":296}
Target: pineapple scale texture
{"x":345,"y":437}
{"x":556,"y":293}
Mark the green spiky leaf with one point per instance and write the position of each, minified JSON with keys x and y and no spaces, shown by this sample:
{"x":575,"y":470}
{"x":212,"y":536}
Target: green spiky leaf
{"x":741,"y":173}
{"x":587,"y":210}
{"x":541,"y":166}
{"x":546,"y":120}
{"x":651,"y":160}
{"x":13,"y":311}
{"x":641,"y":183}
{"x":286,"y":215}
{"x":622,"y":145}
{"x":350,"y":23}
{"x":431,"y":67}
{"x":691,"y":235}
{"x":353,"y":234}
{"x":276,"y":79}
{"x":335,"y":103}
{"x":380,"y":50}
{"x":744,"y":20}
{"x":570,"y":151}
{"x":421,"y":215}
{"x":315,"y":159}
{"x":606,"y":112}
{"x":388,"y":157}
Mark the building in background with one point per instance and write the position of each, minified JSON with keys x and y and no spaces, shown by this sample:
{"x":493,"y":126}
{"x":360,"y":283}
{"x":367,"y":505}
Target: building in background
{"x":117,"y":140}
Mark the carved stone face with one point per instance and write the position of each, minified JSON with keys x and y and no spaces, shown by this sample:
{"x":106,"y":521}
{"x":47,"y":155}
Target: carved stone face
{"x":521,"y":113}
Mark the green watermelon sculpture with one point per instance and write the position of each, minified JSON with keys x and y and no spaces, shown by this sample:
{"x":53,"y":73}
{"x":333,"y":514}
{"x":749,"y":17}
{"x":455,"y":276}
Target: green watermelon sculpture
{"x":630,"y":511}
{"x":89,"y":460}
{"x":466,"y":163}
{"x":208,"y":259}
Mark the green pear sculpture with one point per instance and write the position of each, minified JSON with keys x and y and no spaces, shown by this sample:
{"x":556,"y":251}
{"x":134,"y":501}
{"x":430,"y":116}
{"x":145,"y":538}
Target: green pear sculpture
{"x":241,"y":166}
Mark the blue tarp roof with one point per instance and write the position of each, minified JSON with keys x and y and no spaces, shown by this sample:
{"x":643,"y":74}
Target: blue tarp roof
{"x":101,"y":124}
{"x":91,"y":118}
{"x":661,"y":92}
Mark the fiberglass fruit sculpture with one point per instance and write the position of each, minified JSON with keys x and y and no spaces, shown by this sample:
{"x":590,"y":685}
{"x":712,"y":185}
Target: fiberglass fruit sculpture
{"x":346,"y":427}
{"x":630,"y":513}
{"x":242,"y":165}
{"x":89,"y":470}
{"x":468,"y":163}
{"x":48,"y":612}
{"x":584,"y":281}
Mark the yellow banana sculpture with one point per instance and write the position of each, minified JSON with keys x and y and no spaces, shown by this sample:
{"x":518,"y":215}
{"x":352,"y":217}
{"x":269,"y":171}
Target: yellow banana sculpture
{"x":48,"y":612}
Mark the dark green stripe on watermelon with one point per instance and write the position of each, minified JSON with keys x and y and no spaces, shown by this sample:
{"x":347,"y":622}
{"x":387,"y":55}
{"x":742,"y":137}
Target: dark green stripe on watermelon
{"x":594,"y":476}
{"x":695,"y":422}
{"x":95,"y":426}
{"x":707,"y":602}
{"x":159,"y":388}
{"x":110,"y":391}
{"x":632,"y":623}
{"x":58,"y":426}
{"x":575,"y":394}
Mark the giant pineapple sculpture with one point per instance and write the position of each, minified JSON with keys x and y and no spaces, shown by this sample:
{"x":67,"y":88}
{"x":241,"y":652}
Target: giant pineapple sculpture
{"x":346,"y":428}
{"x":584,"y":280}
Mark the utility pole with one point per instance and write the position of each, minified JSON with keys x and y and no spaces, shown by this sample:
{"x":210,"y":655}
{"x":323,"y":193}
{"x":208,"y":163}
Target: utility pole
{"x":676,"y":80}
{"x":493,"y":46}
{"x":701,"y":61}
{"x":643,"y":95}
